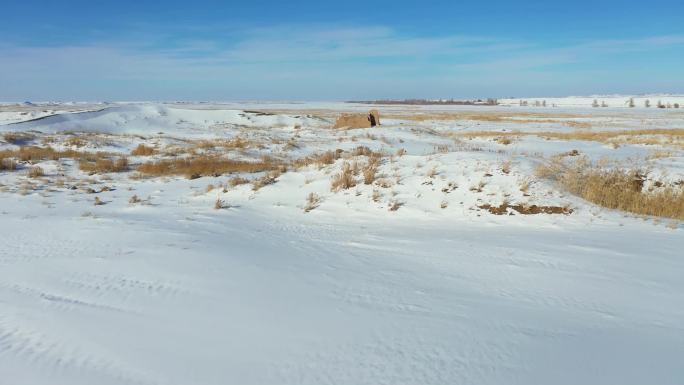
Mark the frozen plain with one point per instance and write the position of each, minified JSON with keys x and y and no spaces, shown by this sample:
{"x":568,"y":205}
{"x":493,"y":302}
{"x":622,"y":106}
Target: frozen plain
{"x":173,"y":291}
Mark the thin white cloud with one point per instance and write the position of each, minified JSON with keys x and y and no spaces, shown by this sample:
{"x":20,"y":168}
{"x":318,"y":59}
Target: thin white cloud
{"x":311,"y":59}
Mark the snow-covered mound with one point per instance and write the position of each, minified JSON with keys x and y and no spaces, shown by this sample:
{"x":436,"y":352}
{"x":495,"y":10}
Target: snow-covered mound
{"x":152,"y":119}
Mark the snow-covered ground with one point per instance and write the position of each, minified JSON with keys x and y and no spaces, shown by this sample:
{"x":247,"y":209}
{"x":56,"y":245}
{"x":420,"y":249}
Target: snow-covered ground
{"x":664,"y":101}
{"x":170,"y":290}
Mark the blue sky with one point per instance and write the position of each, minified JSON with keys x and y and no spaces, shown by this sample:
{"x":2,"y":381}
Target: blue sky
{"x":316,"y":50}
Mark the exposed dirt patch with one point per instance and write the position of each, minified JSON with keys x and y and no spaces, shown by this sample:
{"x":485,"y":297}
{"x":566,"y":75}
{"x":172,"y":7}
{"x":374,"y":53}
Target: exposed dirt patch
{"x":525,"y":209}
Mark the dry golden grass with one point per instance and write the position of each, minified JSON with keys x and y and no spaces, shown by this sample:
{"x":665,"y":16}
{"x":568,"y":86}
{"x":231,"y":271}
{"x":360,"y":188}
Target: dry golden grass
{"x":329,"y":157}
{"x":659,"y":154}
{"x":143,"y":150}
{"x":432,"y":172}
{"x":237,"y":143}
{"x":524,"y":185}
{"x":312,"y":201}
{"x":525,"y":209}
{"x":320,"y":159}
{"x":220,"y":204}
{"x":75,"y":142}
{"x":34,"y":153}
{"x":669,"y":136}
{"x":104,"y":165}
{"x":496,"y":116}
{"x":236,"y":181}
{"x":505,"y":141}
{"x":35,"y":172}
{"x":620,"y":189}
{"x":344,"y":180}
{"x":270,"y":178}
{"x":7,"y":164}
{"x":506,"y":167}
{"x":209,"y":165}
{"x":369,"y":173}
{"x":394,"y":205}
{"x":18,"y":137}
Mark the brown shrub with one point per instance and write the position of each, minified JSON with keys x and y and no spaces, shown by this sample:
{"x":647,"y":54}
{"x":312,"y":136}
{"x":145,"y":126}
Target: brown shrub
{"x":35,"y":172}
{"x":506,"y":167}
{"x":18,"y":137}
{"x":236,"y":181}
{"x":237,"y":143}
{"x":394,"y":205}
{"x":672,"y":136}
{"x":143,"y":150}
{"x":619,"y":188}
{"x":220,"y":204}
{"x":312,"y":201}
{"x":369,"y":173}
{"x":7,"y":164}
{"x":344,"y":180}
{"x":104,"y":165}
{"x":205,"y":166}
{"x":270,"y":178}
{"x":75,"y":142}
{"x":526,"y":209}
{"x":319,"y":159}
{"x":34,"y":153}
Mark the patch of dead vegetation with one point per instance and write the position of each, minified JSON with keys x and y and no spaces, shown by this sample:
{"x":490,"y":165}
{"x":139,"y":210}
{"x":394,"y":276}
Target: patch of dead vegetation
{"x":319,"y":159}
{"x":143,"y":150}
{"x":35,"y":172}
{"x":663,"y":136}
{"x":312,"y":202}
{"x":104,"y":165}
{"x":497,"y":116}
{"x":34,"y":154}
{"x":208,"y":165}
{"x":268,"y":179}
{"x":75,"y":141}
{"x":394,"y":205}
{"x":7,"y":164}
{"x":18,"y":137}
{"x":525,"y":209}
{"x":617,"y":188}
{"x":344,"y":180}
{"x":236,"y":181}
{"x":237,"y":143}
{"x":220,"y":204}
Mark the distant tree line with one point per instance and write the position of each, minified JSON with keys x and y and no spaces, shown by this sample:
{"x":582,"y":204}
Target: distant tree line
{"x":474,"y":102}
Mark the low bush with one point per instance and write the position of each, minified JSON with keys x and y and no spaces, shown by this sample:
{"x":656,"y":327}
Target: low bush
{"x":143,"y":150}
{"x":205,"y":166}
{"x":617,"y":188}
